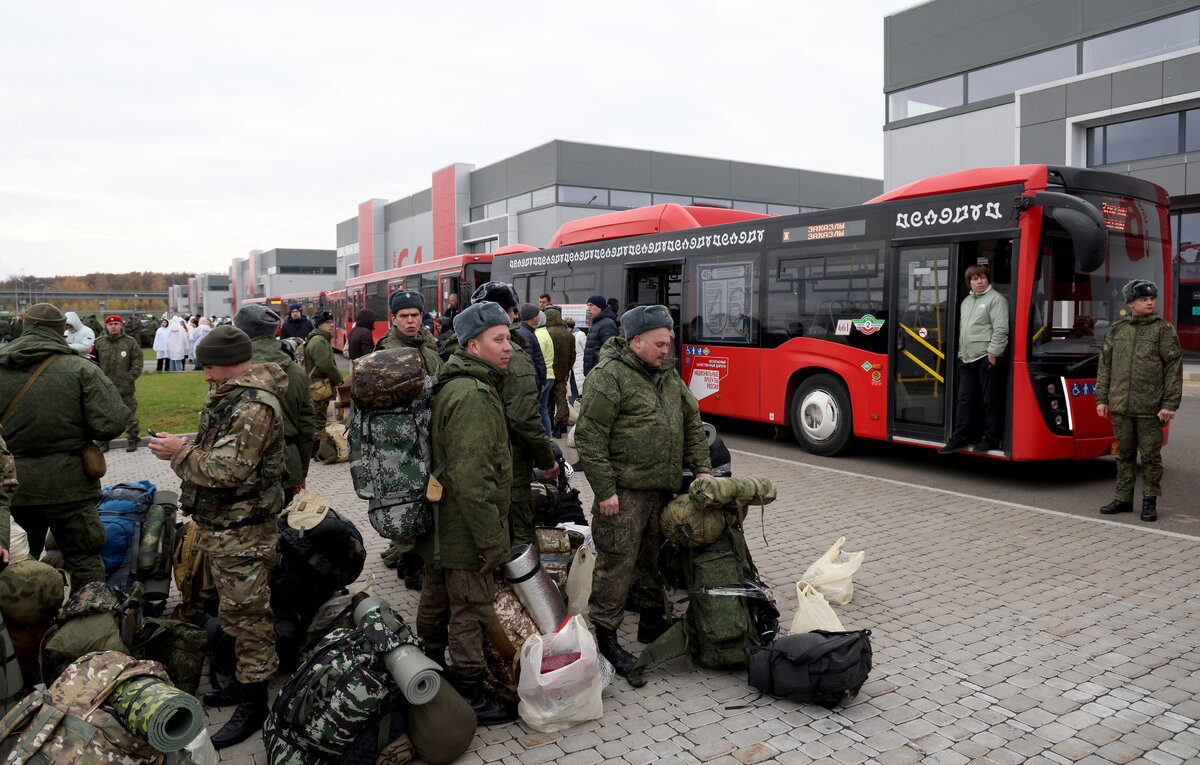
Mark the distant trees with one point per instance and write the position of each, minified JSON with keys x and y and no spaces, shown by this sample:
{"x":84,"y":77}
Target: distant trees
{"x":21,"y":289}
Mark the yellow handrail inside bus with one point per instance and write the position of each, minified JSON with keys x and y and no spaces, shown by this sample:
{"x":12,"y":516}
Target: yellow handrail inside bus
{"x":923,"y":342}
{"x":1038,"y":334}
{"x":922,"y":365}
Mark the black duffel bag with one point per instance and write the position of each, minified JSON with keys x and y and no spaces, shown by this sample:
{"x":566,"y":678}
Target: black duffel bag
{"x":818,"y":667}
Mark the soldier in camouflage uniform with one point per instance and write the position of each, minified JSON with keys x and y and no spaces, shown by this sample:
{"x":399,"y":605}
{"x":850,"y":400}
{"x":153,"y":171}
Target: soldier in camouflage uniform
{"x":68,"y":406}
{"x":1140,"y":383}
{"x":470,"y":447}
{"x":231,"y":484}
{"x":260,"y":322}
{"x":8,"y":490}
{"x":120,"y":356}
{"x":638,"y":427}
{"x":319,"y":363}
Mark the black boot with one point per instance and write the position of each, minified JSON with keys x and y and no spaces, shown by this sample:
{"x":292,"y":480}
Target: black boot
{"x":652,"y":623}
{"x":437,"y":656}
{"x":489,"y":710}
{"x":1116,"y":506}
{"x":622,"y":660}
{"x":247,"y":719}
{"x":132,"y":445}
{"x":226,"y":697}
{"x":414,"y":570}
{"x":1149,"y":508}
{"x":104,"y":448}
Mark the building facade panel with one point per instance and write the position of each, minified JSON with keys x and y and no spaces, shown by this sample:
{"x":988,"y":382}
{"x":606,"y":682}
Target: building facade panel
{"x":1134,"y":86}
{"x":976,"y":139}
{"x":1044,"y":105}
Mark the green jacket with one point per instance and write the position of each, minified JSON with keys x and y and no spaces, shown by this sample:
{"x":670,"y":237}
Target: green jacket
{"x":120,"y":357}
{"x":983,"y":325}
{"x":8,"y":490}
{"x":564,"y":344}
{"x":638,"y":426}
{"x":423,"y":342}
{"x":297,"y":406}
{"x":71,"y":404}
{"x":1141,"y":367}
{"x":318,"y":357}
{"x":470,"y":447}
{"x":530,"y":446}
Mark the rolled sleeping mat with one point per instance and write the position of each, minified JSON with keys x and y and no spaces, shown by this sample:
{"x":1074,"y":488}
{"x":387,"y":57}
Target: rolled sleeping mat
{"x":535,"y":589}
{"x":165,"y":717}
{"x":415,"y":673}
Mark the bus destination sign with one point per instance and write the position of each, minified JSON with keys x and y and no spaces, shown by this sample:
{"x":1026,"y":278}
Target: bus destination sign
{"x":984,"y":212}
{"x":825,"y":231}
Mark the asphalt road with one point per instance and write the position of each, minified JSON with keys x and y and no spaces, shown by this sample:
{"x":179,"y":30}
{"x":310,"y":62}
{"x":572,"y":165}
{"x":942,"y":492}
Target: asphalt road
{"x":1079,"y":488}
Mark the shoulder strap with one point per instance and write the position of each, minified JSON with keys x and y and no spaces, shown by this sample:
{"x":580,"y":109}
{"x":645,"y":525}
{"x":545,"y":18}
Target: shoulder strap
{"x":13,"y":404}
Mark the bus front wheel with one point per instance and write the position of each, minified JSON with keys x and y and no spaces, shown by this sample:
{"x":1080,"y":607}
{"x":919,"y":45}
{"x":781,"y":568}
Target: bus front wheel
{"x":821,"y":416}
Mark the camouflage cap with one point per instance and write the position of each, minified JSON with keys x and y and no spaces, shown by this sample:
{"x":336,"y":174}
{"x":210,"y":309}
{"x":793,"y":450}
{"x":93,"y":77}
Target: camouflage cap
{"x":31,"y":592}
{"x":224,"y":346}
{"x":46,"y":313}
{"x":1139,"y":288}
{"x":645,"y":318}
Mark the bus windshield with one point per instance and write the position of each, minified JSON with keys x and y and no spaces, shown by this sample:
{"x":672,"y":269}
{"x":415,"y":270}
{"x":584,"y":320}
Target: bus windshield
{"x":1072,"y":311}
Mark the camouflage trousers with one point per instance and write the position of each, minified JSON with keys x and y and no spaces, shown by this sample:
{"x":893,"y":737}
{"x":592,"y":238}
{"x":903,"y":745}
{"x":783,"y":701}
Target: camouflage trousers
{"x":132,"y":428}
{"x":455,"y":610}
{"x":1138,"y":434}
{"x":627,"y":556}
{"x":558,"y":403}
{"x":77,"y":531}
{"x":320,"y":419}
{"x":520,"y":522}
{"x":240,"y":561}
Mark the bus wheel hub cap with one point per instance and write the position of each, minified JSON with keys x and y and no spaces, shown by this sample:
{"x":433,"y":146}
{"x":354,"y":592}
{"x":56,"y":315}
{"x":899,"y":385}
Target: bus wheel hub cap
{"x":818,"y":415}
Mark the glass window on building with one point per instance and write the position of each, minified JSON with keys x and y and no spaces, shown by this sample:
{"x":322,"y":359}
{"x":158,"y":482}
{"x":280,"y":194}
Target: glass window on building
{"x":1143,"y":41}
{"x":487,"y":245}
{"x":926,"y":99}
{"x":758,"y":207}
{"x":1191,"y":130}
{"x":1137,"y":139}
{"x":581,"y":195}
{"x":708,"y":202}
{"x":477,"y":213}
{"x":542,"y":197}
{"x":782,"y":209}
{"x":520,"y":202}
{"x":671,"y":199}
{"x":494,"y":209}
{"x":1011,"y":76}
{"x":630,"y":199}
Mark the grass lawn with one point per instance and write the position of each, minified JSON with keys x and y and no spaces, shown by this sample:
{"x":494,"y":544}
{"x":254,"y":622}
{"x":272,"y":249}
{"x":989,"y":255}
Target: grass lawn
{"x":171,"y":401}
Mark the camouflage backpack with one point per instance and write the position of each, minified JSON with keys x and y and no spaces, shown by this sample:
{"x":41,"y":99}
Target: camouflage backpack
{"x":341,"y":694}
{"x":390,"y":457}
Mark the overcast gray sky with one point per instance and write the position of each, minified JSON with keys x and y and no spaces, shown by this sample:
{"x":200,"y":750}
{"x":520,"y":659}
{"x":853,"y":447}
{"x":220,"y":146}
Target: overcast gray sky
{"x":167,"y":136}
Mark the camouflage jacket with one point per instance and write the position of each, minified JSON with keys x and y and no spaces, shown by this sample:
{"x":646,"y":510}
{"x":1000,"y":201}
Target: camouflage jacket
{"x":564,"y":344}
{"x":8,"y":490}
{"x":1141,"y":367}
{"x":296,"y":402}
{"x":318,"y":357}
{"x":423,"y":342}
{"x":71,"y":404}
{"x":470,"y":447}
{"x":232,"y":474}
{"x":637,"y":426}
{"x":121,"y":359}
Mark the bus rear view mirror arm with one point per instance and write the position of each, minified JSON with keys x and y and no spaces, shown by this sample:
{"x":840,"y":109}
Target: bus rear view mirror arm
{"x":1080,"y":218}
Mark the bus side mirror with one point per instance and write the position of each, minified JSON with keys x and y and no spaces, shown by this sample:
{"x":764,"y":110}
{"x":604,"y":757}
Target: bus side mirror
{"x":1081,"y":219}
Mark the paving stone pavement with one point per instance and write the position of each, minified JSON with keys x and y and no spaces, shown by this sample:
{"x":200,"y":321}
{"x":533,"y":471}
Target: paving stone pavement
{"x":1002,"y":634}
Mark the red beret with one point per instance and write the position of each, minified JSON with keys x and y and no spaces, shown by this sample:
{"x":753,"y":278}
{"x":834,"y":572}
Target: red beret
{"x":114,"y":317}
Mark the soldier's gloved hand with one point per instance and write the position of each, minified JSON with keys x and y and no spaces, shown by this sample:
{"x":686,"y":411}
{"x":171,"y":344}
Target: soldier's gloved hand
{"x":492,"y":557}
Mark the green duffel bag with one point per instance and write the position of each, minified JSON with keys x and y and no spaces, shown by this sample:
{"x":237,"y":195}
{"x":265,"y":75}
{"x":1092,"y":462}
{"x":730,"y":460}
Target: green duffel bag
{"x":176,"y":645}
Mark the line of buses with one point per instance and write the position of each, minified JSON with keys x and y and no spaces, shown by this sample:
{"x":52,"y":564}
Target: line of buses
{"x":842,"y":323}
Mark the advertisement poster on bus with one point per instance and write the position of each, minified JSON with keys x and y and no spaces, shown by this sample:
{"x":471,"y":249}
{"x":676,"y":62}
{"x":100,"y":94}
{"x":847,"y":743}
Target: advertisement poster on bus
{"x":726,"y":294}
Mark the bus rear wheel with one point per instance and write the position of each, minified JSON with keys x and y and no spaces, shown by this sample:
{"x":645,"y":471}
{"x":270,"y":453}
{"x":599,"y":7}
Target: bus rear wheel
{"x":821,"y":416}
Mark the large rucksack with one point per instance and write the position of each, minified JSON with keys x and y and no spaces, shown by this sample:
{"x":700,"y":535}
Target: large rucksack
{"x":729,"y":609}
{"x":192,"y":578}
{"x":390,"y":450}
{"x":139,"y":523}
{"x":342,"y":693}
{"x":818,"y":667}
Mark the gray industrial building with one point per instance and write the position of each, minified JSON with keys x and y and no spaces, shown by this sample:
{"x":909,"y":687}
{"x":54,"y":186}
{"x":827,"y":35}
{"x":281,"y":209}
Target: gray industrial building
{"x":281,"y":271}
{"x":525,"y":198}
{"x":1092,"y":83}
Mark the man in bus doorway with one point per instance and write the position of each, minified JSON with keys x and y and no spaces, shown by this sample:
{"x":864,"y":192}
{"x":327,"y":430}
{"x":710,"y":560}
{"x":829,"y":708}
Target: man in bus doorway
{"x":1140,"y":384}
{"x":638,"y":427}
{"x":982,"y":340}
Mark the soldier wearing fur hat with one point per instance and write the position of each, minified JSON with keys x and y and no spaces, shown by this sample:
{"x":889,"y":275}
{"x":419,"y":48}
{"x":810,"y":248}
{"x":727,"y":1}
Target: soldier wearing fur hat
{"x":470,"y":538}
{"x":1140,"y":385}
{"x":120,"y":356}
{"x":68,"y":405}
{"x":638,"y":427}
{"x":320,"y":366}
{"x":231,"y":486}
{"x":407,"y":309}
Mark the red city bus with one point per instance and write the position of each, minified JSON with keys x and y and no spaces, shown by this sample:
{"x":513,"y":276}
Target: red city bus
{"x":842,"y":323}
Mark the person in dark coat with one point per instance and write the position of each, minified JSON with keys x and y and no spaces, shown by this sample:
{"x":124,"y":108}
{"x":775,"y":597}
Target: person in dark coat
{"x":361,"y":340}
{"x":296,"y":324}
{"x":529,"y":313}
{"x":603,"y":326}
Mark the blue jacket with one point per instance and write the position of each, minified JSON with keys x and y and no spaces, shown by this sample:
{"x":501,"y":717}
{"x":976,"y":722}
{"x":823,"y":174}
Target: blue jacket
{"x":535,"y":352}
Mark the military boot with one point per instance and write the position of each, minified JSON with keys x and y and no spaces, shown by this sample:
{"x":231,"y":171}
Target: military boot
{"x":247,"y":719}
{"x":1116,"y":506}
{"x":1149,"y":508}
{"x":437,"y":656}
{"x":226,"y":697}
{"x":489,"y":710}
{"x":132,"y":445}
{"x":652,"y":623}
{"x":104,"y":448}
{"x":622,"y":660}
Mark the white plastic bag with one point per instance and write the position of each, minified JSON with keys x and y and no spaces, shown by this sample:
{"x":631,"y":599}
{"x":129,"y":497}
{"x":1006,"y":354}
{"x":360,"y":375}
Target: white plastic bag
{"x":559,"y":698}
{"x":571,"y":436}
{"x":579,"y":581}
{"x":813,"y":612}
{"x":830,"y":574}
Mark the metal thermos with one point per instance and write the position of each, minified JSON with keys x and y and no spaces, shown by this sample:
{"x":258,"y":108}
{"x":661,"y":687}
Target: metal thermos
{"x":535,"y":589}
